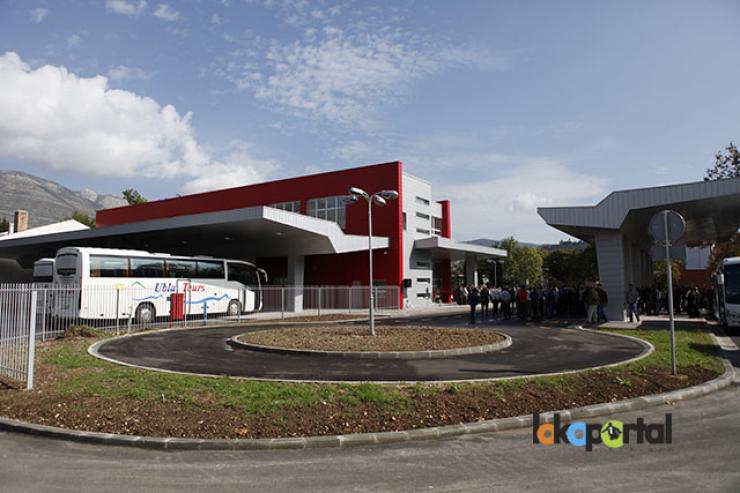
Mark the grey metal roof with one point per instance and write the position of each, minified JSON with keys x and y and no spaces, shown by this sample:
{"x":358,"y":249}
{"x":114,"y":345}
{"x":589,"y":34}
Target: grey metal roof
{"x":711,"y":209}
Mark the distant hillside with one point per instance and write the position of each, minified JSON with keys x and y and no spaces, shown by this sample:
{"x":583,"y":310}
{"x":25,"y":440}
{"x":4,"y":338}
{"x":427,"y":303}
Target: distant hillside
{"x":563,"y":245}
{"x":47,"y":201}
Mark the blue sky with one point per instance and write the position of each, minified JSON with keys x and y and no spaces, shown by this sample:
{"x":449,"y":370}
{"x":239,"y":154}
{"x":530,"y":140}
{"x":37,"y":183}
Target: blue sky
{"x":503,"y":106}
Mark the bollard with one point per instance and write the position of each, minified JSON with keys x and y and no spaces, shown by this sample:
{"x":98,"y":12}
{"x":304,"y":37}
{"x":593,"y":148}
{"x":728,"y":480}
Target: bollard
{"x":205,"y":313}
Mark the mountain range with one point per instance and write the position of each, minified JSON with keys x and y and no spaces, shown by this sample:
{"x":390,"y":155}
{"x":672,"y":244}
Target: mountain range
{"x":563,"y":245}
{"x":47,"y":201}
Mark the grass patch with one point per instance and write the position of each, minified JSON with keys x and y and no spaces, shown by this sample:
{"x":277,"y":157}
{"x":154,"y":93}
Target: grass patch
{"x":69,"y":354}
{"x":693,"y":348}
{"x":76,"y":390}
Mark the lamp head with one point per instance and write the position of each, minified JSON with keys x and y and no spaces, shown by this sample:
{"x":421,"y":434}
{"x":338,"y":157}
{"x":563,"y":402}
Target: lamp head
{"x":358,"y":191}
{"x":379,"y":200}
{"x":388,"y":194}
{"x":350,"y":199}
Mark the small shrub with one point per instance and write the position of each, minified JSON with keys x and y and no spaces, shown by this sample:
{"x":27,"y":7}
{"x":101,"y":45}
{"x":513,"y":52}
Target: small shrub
{"x":82,"y":331}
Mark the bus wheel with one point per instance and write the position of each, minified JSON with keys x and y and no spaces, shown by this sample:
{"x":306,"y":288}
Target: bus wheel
{"x":145,"y":313}
{"x":234,"y":309}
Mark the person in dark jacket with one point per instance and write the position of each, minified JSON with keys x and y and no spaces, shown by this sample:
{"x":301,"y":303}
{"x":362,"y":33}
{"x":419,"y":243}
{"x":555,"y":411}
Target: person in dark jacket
{"x":485,"y":298}
{"x":603,"y":301}
{"x":534,"y":303}
{"x":473,"y":300}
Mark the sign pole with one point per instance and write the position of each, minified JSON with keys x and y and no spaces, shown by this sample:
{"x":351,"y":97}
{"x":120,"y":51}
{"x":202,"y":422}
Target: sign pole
{"x":669,"y":269}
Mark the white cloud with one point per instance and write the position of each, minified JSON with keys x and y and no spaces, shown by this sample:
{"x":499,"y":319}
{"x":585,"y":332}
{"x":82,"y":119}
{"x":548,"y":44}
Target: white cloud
{"x":81,"y":126}
{"x":126,"y":8}
{"x":122,"y":72}
{"x":505,"y":201}
{"x":39,"y":14}
{"x":73,"y":41}
{"x":341,"y":77}
{"x":166,"y":13}
{"x":240,"y":168}
{"x":217,"y":19}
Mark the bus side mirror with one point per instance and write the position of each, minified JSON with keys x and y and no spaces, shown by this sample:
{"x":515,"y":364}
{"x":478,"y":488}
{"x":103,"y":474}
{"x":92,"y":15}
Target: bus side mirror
{"x":263,"y":274}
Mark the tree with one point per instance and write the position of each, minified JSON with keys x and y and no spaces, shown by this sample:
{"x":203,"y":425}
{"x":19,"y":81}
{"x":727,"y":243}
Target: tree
{"x":725,"y":165}
{"x":83,"y":218}
{"x":660,"y":276}
{"x":523,"y":264}
{"x":133,"y":197}
{"x":4,"y":224}
{"x":725,"y":249}
{"x":571,"y":267}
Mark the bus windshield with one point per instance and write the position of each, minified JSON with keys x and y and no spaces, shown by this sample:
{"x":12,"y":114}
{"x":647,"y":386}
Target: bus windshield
{"x":732,"y":284}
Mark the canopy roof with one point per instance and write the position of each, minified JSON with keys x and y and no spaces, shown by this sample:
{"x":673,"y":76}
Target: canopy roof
{"x":444,"y":248}
{"x":239,"y":233}
{"x":711,"y":210}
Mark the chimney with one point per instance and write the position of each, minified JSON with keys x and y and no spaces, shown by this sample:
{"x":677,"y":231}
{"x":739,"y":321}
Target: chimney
{"x":20,"y":219}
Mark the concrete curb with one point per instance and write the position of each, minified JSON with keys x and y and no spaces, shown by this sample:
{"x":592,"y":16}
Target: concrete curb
{"x":441,"y":353}
{"x":363,"y":439}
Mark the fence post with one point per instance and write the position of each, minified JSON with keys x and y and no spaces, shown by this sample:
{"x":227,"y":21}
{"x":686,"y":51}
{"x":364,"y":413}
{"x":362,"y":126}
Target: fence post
{"x":282,"y":302}
{"x":118,"y":299}
{"x":349,"y":298}
{"x":43,"y":316}
{"x":31,"y":341}
{"x":319,"y":314}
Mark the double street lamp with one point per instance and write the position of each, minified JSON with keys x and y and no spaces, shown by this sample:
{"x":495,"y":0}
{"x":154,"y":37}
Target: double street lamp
{"x":379,"y":198}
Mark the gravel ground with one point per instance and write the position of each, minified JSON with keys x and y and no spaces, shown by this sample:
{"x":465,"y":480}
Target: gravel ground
{"x":353,"y":338}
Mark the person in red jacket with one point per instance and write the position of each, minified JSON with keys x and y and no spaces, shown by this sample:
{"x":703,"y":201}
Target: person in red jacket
{"x":522,"y":298}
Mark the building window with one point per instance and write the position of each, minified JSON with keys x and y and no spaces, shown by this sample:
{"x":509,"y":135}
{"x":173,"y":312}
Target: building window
{"x":404,"y":221}
{"x":423,"y":280}
{"x":422,"y":231}
{"x":421,"y":200}
{"x":422,"y":216}
{"x":424,"y":265}
{"x":329,"y":208}
{"x":436,"y":226}
{"x":288,"y":206}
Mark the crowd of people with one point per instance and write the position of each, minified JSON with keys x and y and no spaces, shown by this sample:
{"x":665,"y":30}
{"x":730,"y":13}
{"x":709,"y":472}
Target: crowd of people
{"x":588,"y":302}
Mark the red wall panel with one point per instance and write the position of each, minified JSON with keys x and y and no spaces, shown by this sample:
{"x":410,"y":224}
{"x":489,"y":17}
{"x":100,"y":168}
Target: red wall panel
{"x":320,"y":269}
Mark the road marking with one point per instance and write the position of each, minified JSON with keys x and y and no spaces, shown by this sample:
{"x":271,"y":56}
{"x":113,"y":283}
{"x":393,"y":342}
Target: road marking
{"x":726,"y":343}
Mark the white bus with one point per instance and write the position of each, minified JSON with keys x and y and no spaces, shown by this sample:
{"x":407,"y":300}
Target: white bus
{"x":43,"y":270}
{"x":726,"y":283}
{"x":106,"y":283}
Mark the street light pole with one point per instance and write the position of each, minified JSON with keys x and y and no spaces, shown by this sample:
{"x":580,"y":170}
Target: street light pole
{"x":370,"y":257}
{"x":380,"y":198}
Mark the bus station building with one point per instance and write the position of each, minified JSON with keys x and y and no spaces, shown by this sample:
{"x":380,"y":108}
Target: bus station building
{"x":300,"y":230}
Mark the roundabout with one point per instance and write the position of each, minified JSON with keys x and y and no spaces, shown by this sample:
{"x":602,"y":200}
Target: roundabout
{"x":533,"y":351}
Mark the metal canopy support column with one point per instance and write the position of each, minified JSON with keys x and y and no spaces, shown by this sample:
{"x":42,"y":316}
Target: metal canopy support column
{"x":610,"y":252}
{"x":471,"y":270}
{"x":294,"y":297}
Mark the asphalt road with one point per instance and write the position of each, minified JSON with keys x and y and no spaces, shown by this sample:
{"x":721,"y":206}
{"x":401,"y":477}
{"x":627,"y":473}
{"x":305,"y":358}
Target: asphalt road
{"x":534,"y":350}
{"x":704,"y":456}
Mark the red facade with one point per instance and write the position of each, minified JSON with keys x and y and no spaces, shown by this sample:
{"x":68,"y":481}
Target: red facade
{"x":319,"y":269}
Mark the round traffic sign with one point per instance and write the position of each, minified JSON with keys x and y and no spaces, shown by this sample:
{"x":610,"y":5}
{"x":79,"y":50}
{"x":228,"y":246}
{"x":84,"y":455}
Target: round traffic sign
{"x":676,"y":226}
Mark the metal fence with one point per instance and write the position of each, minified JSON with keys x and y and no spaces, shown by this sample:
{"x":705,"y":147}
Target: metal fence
{"x":42,"y":311}
{"x":315,"y":300}
{"x":18,"y":309}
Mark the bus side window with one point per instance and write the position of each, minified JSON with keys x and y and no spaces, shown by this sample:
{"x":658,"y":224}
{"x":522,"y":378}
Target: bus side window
{"x":241,"y":273}
{"x":181,"y":269}
{"x":147,"y":267}
{"x":102,"y":266}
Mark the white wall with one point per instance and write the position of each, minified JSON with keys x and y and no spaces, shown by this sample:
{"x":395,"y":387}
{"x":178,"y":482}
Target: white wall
{"x":417,"y":265}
